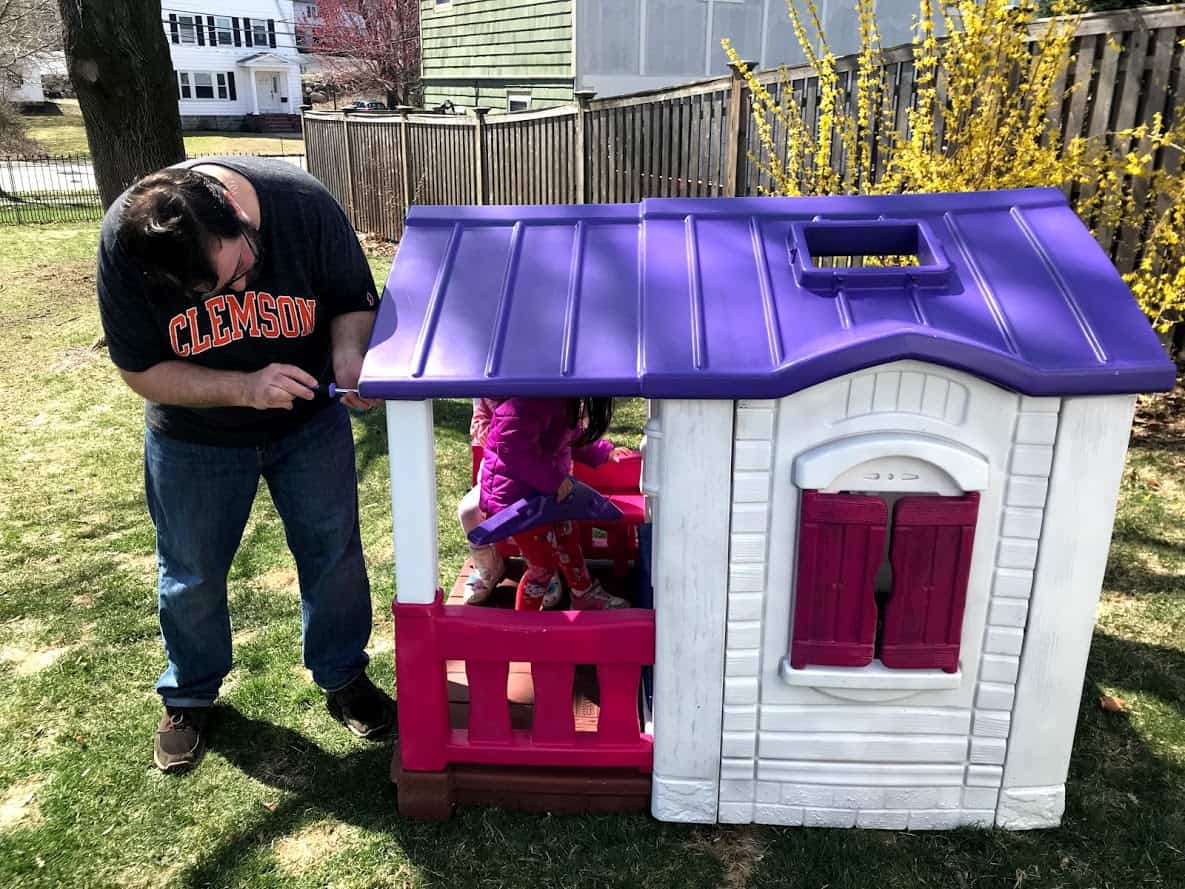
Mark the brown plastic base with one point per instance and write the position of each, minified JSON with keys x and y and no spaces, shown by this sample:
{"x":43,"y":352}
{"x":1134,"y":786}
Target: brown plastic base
{"x":431,"y":796}
{"x":561,"y":791}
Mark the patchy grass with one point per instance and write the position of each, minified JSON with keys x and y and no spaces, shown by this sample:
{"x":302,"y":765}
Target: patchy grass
{"x":65,"y":134}
{"x":287,"y":799}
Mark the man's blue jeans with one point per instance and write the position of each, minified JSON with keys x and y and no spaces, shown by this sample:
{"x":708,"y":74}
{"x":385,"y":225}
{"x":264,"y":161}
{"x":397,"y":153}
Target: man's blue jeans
{"x":199,"y":497}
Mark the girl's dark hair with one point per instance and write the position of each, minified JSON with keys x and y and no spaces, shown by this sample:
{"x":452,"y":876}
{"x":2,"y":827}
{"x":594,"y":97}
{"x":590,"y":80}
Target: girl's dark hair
{"x":168,"y":223}
{"x":595,"y":413}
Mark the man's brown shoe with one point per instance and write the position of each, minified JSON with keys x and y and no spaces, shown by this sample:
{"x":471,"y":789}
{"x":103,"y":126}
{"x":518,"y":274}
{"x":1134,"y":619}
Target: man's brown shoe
{"x":180,"y":738}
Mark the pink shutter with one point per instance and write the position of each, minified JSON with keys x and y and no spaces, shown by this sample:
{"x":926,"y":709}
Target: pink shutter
{"x":841,"y":541}
{"x":931,"y":559}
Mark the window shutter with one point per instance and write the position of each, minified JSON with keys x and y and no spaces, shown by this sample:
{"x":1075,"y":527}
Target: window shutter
{"x":235,"y":26}
{"x":931,"y":559}
{"x":247,"y":31}
{"x":271,"y":33}
{"x":230,"y":85}
{"x":213,"y":32}
{"x":199,"y":30}
{"x":174,"y":31}
{"x":841,"y":543}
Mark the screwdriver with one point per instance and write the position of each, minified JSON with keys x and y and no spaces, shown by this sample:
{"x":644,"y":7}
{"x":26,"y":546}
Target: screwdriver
{"x":333,"y":390}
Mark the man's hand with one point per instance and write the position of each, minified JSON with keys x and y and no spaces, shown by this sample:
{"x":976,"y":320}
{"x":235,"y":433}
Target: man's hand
{"x":276,"y":386}
{"x":564,"y":489}
{"x":619,"y":454}
{"x":347,"y":367}
{"x":349,"y":335}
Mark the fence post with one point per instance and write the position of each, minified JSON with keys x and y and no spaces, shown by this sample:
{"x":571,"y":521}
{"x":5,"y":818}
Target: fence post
{"x":583,"y":98}
{"x":479,"y":152}
{"x":349,"y":167}
{"x":404,"y":163}
{"x":737,"y":129}
{"x":16,"y":198}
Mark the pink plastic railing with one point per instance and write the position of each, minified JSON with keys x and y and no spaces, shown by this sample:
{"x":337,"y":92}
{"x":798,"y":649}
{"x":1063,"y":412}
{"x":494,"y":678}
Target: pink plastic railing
{"x":619,"y":643}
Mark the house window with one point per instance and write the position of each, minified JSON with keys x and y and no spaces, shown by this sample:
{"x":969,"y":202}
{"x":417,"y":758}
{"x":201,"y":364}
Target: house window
{"x":187,"y":29}
{"x":518,"y":101}
{"x":203,"y":86}
{"x":186,"y":92}
{"x":851,"y":607}
{"x":224,"y":32}
{"x":259,"y":32}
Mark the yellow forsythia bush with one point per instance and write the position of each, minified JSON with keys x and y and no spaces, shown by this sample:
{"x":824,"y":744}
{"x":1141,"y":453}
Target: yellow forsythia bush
{"x":981,"y":119}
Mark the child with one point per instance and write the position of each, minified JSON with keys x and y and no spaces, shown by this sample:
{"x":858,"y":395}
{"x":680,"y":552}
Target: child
{"x":488,"y":565}
{"x":529,"y":451}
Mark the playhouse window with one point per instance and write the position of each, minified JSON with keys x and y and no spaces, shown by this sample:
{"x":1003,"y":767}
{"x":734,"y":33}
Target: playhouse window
{"x":851,"y":607}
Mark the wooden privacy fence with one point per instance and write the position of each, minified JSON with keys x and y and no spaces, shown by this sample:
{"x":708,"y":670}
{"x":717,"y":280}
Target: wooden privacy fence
{"x":694,"y":140}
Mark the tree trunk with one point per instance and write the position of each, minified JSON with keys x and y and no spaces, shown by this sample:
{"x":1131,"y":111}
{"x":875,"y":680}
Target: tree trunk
{"x":119,"y":64}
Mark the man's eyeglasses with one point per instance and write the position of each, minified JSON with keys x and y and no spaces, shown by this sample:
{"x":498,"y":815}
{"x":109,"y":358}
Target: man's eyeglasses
{"x":239,"y":271}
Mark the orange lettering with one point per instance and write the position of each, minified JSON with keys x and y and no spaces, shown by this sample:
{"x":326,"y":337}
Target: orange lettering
{"x":177,"y":322}
{"x":265,"y":307}
{"x":201,"y":342}
{"x":221,"y":334}
{"x":242,"y":315}
{"x":289,"y":318}
{"x":308,"y":315}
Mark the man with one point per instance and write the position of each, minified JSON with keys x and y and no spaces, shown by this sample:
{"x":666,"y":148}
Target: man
{"x":232,"y":291}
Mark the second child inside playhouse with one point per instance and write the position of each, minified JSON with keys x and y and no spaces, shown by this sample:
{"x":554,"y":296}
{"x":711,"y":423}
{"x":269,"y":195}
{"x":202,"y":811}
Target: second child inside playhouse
{"x":529,"y":445}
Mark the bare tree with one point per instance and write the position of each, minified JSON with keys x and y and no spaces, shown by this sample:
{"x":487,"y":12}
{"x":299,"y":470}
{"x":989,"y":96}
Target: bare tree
{"x":28,"y":29}
{"x":120,"y":67}
{"x":369,"y":44}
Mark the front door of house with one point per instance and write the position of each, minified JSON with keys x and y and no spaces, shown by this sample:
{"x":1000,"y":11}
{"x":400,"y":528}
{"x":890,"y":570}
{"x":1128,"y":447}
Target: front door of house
{"x":270,"y":87}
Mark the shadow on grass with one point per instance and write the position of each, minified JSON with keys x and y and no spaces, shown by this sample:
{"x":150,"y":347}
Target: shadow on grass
{"x":1124,"y":825}
{"x":476,"y":846}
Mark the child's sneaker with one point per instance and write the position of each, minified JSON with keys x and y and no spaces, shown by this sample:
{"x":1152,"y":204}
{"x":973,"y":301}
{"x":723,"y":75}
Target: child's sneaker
{"x":477,"y":588}
{"x":596,"y":598}
{"x":555,"y":591}
{"x":488,"y":571}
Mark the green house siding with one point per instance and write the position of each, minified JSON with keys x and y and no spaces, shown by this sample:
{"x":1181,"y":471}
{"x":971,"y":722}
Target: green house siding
{"x":478,"y":51}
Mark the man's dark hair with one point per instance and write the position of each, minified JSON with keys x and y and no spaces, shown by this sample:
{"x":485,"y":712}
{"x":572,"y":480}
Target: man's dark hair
{"x":169,"y":222}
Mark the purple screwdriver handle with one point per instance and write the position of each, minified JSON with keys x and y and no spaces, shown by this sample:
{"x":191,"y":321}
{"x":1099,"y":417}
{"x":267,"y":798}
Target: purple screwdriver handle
{"x":332,"y":390}
{"x":582,"y":504}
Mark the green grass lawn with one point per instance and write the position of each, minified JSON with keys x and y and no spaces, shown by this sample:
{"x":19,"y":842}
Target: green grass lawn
{"x":65,"y":134}
{"x":287,"y":798}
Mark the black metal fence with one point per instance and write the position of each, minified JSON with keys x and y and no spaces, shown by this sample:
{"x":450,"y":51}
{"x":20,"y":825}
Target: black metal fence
{"x":39,"y":188}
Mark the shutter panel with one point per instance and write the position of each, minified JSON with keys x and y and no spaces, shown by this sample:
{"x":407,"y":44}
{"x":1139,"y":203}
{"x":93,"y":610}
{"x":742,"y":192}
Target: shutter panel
{"x":174,"y":31}
{"x":230,"y":85}
{"x":247,"y":31}
{"x":271,"y":33}
{"x":213,"y":32}
{"x":235,"y":27}
{"x":841,"y":543}
{"x":931,"y":559}
{"x":199,"y":30}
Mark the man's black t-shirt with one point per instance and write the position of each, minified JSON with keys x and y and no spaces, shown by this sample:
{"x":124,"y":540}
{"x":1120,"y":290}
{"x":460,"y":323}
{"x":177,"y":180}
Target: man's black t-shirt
{"x":311,"y":269}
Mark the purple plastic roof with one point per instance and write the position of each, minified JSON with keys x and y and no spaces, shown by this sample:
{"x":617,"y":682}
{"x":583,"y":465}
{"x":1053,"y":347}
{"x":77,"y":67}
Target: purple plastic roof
{"x":727,"y":298}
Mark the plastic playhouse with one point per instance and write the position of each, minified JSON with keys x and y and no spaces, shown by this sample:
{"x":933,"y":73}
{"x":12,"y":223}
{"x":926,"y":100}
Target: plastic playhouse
{"x":880,"y":470}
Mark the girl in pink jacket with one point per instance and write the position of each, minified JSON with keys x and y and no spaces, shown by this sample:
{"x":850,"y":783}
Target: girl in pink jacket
{"x":529,"y":451}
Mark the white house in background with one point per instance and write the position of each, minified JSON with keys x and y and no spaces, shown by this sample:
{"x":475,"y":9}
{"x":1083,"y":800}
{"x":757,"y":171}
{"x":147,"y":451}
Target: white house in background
{"x":236,"y":63}
{"x":25,"y":88}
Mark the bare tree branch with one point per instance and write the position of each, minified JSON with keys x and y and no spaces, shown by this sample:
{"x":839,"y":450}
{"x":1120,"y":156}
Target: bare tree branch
{"x":28,"y":29}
